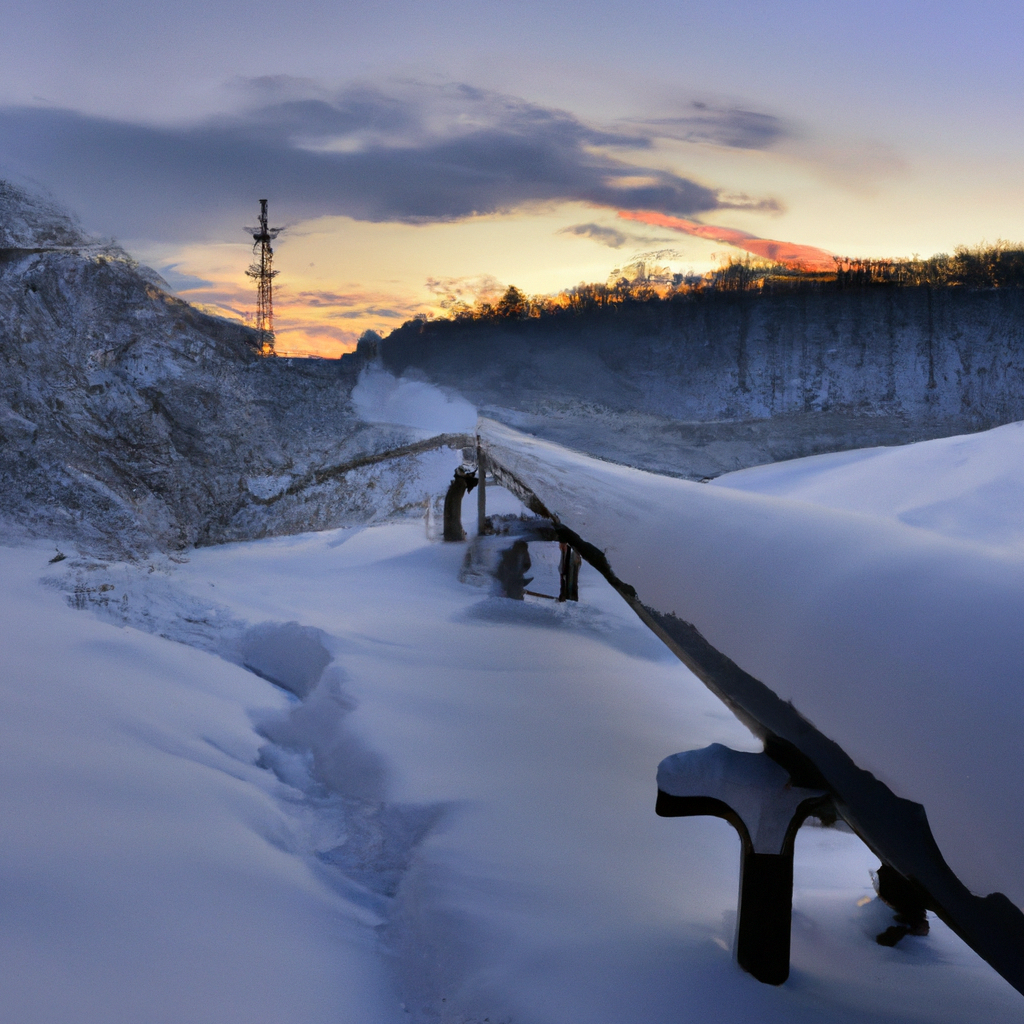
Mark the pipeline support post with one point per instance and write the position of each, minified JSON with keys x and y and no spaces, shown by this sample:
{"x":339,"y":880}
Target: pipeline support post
{"x":462,"y":481}
{"x":481,"y":494}
{"x":756,"y":796}
{"x":569,"y":573}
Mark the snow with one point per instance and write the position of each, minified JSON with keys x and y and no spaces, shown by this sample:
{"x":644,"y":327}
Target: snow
{"x":149,"y":869}
{"x":969,"y":487}
{"x":752,"y":785}
{"x":453,"y":822}
{"x":898,"y":643}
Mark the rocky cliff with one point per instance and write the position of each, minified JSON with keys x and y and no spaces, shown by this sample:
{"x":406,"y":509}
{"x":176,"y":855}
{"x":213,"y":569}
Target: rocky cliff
{"x":129,"y":420}
{"x":717,"y":382}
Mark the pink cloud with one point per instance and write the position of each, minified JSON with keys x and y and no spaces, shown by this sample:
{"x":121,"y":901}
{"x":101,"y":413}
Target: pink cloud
{"x":805,"y":257}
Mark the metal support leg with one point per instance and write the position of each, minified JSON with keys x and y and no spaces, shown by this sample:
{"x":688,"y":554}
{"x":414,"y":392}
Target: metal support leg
{"x":755,"y":795}
{"x":481,"y":494}
{"x":569,"y":573}
{"x":462,"y":481}
{"x":765,"y":915}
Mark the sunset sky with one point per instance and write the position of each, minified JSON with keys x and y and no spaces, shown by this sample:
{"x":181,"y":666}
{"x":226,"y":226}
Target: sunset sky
{"x":415,"y":153}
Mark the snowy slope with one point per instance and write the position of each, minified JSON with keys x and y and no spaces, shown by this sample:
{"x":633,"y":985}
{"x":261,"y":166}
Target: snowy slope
{"x":150,"y":869}
{"x":458,"y":816}
{"x":130,"y":421}
{"x":969,"y":487}
{"x":546,"y":889}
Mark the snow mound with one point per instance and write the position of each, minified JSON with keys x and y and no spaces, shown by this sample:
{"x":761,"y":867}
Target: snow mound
{"x":290,"y":655}
{"x":969,"y":487}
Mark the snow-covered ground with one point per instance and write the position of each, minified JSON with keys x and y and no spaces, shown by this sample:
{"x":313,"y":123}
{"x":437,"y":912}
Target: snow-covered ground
{"x":969,"y":487}
{"x":455,"y":822}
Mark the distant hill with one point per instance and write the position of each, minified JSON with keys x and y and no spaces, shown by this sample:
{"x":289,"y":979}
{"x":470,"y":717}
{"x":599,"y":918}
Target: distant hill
{"x":713,"y":380}
{"x":129,"y":419}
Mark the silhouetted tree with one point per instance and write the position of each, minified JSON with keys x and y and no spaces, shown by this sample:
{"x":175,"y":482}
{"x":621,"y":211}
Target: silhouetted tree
{"x":513,"y":305}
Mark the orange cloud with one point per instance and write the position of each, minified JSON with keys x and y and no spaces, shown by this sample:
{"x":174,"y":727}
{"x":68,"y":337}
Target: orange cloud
{"x":805,"y":257}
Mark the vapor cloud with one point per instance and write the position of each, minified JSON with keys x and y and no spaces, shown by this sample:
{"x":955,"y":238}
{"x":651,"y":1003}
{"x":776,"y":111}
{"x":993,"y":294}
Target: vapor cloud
{"x":415,"y":154}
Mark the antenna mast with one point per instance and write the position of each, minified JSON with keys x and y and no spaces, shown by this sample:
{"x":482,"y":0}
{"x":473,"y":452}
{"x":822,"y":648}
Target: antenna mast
{"x":262,"y":269}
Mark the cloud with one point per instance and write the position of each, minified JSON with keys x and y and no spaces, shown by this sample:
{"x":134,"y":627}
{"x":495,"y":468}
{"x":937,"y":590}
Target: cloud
{"x":734,"y":127}
{"x":606,"y":236}
{"x":359,"y":314}
{"x":180,"y":281}
{"x":330,"y":299}
{"x":807,"y":257}
{"x":415,"y":154}
{"x":454,"y":293}
{"x":611,"y":237}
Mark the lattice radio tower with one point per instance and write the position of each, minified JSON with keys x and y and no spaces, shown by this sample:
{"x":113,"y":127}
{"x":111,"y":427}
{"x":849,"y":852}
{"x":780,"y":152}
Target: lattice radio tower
{"x":262,"y":269}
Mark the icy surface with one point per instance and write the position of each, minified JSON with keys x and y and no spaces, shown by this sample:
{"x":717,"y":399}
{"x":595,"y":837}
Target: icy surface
{"x":902,"y":645}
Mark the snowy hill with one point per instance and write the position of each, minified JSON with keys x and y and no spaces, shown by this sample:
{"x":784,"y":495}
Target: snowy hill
{"x":969,"y":487}
{"x":129,"y":420}
{"x":30,"y":221}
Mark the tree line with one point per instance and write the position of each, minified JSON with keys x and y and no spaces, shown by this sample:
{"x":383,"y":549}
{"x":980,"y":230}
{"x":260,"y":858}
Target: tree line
{"x":984,"y":266}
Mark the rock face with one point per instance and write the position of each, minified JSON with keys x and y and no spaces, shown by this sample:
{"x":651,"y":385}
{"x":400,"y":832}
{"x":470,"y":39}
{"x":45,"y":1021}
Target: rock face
{"x":31,"y":222}
{"x":722,"y":381}
{"x":130,"y":420}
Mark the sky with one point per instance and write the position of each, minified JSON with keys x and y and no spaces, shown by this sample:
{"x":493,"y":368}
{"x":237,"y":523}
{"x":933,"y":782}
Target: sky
{"x":417,"y":155}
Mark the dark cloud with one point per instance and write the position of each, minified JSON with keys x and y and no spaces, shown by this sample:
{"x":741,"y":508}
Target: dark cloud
{"x":326,"y":298}
{"x":720,"y":126}
{"x":611,"y":237}
{"x":606,"y":236}
{"x":416,"y":155}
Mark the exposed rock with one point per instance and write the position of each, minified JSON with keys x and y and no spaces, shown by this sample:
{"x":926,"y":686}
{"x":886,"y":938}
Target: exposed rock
{"x":130,"y":420}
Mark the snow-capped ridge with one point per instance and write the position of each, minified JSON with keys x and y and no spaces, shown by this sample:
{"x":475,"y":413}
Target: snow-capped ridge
{"x":30,"y":221}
